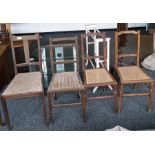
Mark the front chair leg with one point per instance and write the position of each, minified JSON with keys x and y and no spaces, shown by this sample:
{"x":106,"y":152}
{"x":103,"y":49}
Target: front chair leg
{"x":5,"y":110}
{"x":150,"y":96}
{"x":84,"y":104}
{"x":44,"y":108}
{"x":120,"y":98}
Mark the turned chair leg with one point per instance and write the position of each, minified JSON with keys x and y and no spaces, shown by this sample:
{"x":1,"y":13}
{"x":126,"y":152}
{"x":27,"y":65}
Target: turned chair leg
{"x":150,"y":96}
{"x":50,"y":107}
{"x":44,"y":108}
{"x":83,"y":97}
{"x":115,"y":98}
{"x":120,"y":98}
{"x":5,"y":110}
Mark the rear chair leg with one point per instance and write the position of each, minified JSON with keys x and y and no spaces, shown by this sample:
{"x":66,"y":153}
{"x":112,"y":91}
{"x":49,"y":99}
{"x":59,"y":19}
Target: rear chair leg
{"x":120,"y":98}
{"x":150,"y":96}
{"x":44,"y":108}
{"x":5,"y":110}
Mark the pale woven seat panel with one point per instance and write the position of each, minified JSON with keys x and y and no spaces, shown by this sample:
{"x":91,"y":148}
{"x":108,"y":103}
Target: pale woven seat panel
{"x":24,"y":83}
{"x":65,"y":81}
{"x":132,"y":73}
{"x":96,"y":76}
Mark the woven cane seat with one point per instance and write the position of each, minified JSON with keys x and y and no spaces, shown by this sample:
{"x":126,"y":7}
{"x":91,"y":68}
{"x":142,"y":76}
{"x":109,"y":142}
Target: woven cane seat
{"x":24,"y":83}
{"x":97,"y":76}
{"x":66,"y":81}
{"x":132,"y":73}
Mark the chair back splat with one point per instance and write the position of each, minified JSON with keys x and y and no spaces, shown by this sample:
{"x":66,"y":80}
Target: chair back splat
{"x":59,"y":58}
{"x":118,"y":54}
{"x":24,"y":42}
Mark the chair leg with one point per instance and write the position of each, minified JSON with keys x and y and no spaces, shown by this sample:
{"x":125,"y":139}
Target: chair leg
{"x":150,"y":96}
{"x":120,"y":98}
{"x":83,"y":97}
{"x":50,"y":103}
{"x":5,"y":110}
{"x":115,"y":98}
{"x":0,"y":120}
{"x":44,"y":108}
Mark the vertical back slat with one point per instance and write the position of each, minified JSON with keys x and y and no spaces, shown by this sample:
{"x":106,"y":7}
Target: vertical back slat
{"x":51,"y":56}
{"x":13,"y":55}
{"x":105,"y":50}
{"x":83,"y":58}
{"x":138,"y":47}
{"x":82,"y":52}
{"x":77,"y":56}
{"x":39,"y":52}
{"x":26,"y":51}
{"x":116,"y":50}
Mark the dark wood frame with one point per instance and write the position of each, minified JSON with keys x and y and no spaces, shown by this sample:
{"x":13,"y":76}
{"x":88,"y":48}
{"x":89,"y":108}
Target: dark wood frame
{"x":113,"y":84}
{"x":51,"y":95}
{"x":122,"y":83}
{"x":25,"y":40}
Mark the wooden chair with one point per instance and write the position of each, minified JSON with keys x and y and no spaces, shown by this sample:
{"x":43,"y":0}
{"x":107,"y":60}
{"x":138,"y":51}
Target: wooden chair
{"x":131,"y":74}
{"x":27,"y":84}
{"x":98,"y":77}
{"x":63,"y":82}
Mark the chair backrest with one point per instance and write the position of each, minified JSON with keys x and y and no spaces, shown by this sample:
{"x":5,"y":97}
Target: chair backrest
{"x":62,"y":43}
{"x":25,"y":45}
{"x":118,"y":55}
{"x":102,"y":55}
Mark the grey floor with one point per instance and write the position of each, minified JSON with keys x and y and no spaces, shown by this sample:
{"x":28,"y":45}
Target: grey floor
{"x":26,"y":114}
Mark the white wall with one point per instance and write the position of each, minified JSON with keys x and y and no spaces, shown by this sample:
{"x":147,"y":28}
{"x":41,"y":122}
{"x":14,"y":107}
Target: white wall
{"x":56,"y":27}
